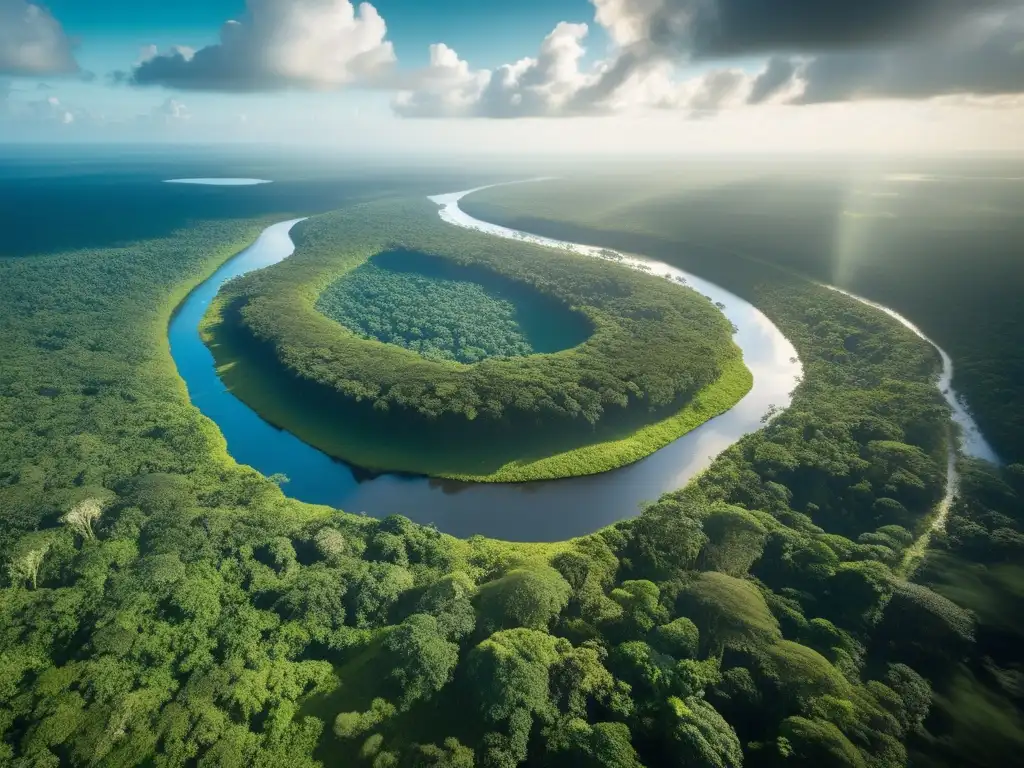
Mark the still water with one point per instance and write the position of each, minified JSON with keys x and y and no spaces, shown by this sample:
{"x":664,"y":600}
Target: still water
{"x":541,"y":511}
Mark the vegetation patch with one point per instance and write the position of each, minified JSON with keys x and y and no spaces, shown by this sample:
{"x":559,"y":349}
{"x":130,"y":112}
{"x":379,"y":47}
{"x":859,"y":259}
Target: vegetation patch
{"x":436,"y":309}
{"x":625,"y":362}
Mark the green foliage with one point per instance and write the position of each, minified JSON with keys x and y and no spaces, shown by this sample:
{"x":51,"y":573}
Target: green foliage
{"x":679,"y":639}
{"x":860,"y":591}
{"x":814,"y":743}
{"x":510,"y":672}
{"x":579,"y":678}
{"x":451,"y":754}
{"x":420,"y":658}
{"x":699,"y":736}
{"x":416,"y":307}
{"x":914,"y":696}
{"x":667,"y":537}
{"x":449,"y":601}
{"x":739,"y":225}
{"x":641,"y":609}
{"x":526,"y":597}
{"x":602,"y":745}
{"x":925,"y":625}
{"x":729,"y":612}
{"x":735,"y":540}
{"x":623,"y":305}
{"x":803,"y":672}
{"x":349,"y":725}
{"x":649,"y":674}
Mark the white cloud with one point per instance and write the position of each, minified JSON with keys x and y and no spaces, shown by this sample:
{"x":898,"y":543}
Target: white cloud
{"x":50,"y":110}
{"x":627,"y":21}
{"x":554,"y":84}
{"x":32,"y":41}
{"x":547,"y":85}
{"x":279,"y":44}
{"x":171,"y":111}
{"x":844,"y":52}
{"x":447,"y":87}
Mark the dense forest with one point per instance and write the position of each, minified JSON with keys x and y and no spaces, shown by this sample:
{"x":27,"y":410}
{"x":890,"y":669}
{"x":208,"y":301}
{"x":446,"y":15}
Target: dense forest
{"x":650,"y":349}
{"x":415,"y":302}
{"x":937,"y":241}
{"x":162,"y":605}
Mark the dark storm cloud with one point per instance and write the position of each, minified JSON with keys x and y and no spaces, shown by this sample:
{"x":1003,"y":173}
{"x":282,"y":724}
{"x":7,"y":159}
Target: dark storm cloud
{"x":982,"y":64}
{"x":779,"y":73}
{"x":209,"y":69}
{"x":711,"y":28}
{"x":856,"y":47}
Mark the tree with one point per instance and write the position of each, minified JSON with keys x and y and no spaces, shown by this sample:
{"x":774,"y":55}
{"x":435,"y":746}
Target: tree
{"x":735,"y":540}
{"x":729,"y":612}
{"x":509,"y":675}
{"x":449,"y":600}
{"x":349,"y":725}
{"x":451,"y":754}
{"x":814,"y":743}
{"x":915,"y":696}
{"x":526,"y":597}
{"x":376,"y":588}
{"x":331,"y":544}
{"x":641,"y":607}
{"x":648,"y":673}
{"x":316,"y":599}
{"x":579,"y":678}
{"x":667,"y":537}
{"x":679,"y":639}
{"x":803,"y":672}
{"x":698,"y":737}
{"x":859,"y":592}
{"x":578,"y":744}
{"x":925,"y":628}
{"x":83,"y":516}
{"x":510,"y":671}
{"x":25,"y":567}
{"x":420,"y":658}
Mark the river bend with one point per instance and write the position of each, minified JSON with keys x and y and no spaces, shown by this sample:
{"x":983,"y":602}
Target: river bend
{"x":539,"y":511}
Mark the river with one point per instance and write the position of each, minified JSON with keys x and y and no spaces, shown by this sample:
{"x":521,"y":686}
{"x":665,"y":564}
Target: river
{"x":541,"y":511}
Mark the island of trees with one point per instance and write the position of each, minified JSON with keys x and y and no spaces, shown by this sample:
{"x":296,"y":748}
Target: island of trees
{"x":428,"y":306}
{"x":429,"y":370}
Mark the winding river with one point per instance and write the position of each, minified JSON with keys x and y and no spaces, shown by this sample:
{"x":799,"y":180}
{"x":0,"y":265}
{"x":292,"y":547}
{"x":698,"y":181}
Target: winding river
{"x":539,"y":511}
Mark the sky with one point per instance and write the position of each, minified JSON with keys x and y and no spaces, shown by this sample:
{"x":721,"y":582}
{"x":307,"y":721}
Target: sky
{"x":563,"y":76}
